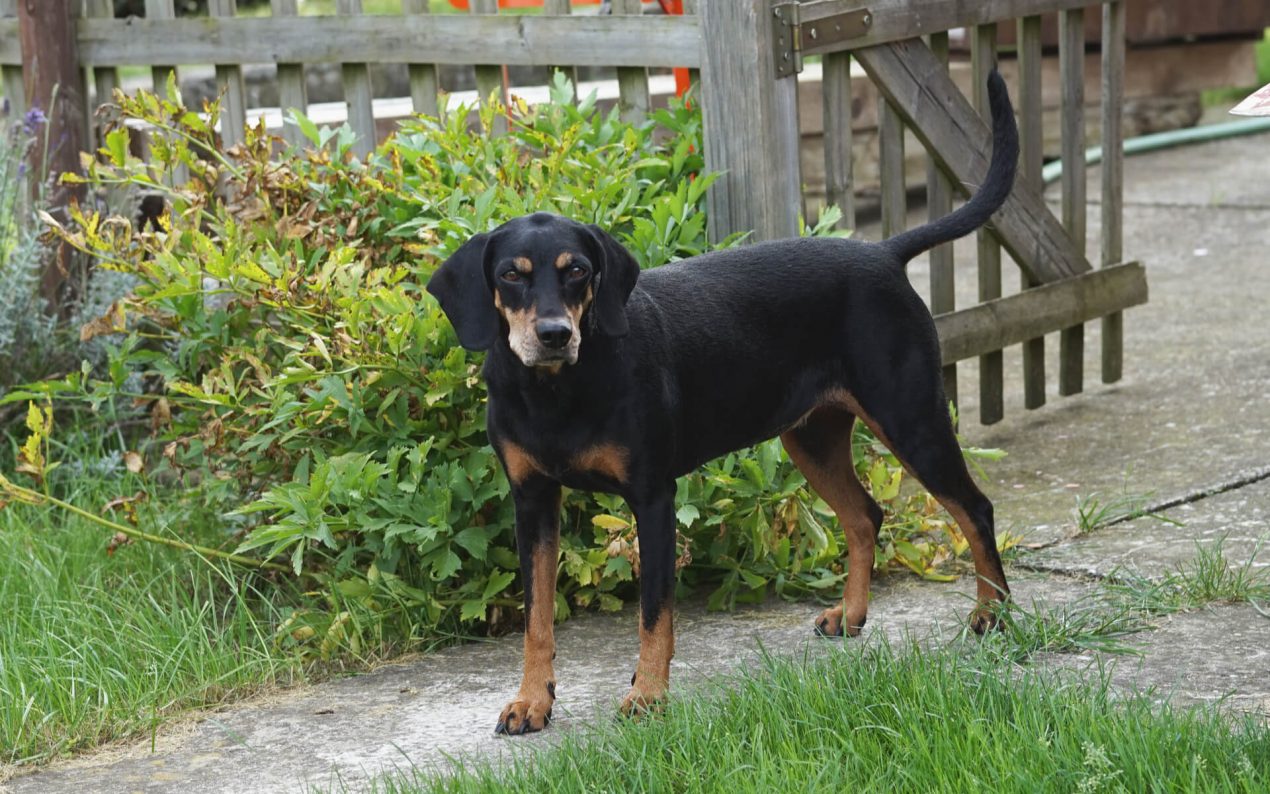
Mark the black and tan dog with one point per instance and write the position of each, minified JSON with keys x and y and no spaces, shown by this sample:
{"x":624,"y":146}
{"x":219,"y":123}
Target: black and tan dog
{"x":605,"y":378}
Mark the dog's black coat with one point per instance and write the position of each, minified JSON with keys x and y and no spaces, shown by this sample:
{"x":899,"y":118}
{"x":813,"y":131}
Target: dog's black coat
{"x":685,"y":362}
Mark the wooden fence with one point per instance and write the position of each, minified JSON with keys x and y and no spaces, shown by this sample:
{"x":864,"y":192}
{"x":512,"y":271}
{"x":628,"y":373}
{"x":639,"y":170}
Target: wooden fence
{"x":749,"y":53}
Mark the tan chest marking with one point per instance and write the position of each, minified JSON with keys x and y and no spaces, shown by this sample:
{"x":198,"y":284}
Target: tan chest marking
{"x":609,"y":460}
{"x":520,"y":464}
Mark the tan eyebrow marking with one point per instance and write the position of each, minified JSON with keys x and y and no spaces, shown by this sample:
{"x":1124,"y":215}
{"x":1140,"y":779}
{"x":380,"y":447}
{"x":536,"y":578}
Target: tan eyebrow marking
{"x":523,"y":264}
{"x":563,"y":260}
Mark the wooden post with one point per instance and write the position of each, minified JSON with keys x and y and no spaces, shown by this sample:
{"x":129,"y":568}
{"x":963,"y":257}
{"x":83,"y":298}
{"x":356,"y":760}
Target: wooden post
{"x":161,"y":9}
{"x":751,"y":123}
{"x":939,"y":196}
{"x":357,"y":92}
{"x":561,"y":8}
{"x":54,"y":85}
{"x":12,"y":75}
{"x":632,"y":82}
{"x":1032,"y":146}
{"x":983,"y":56}
{"x":293,"y":92}
{"x":105,"y":78}
{"x":489,"y":79}
{"x":423,"y":76}
{"x":1113,"y":56}
{"x":229,"y":81}
{"x":1071,"y":58}
{"x":839,"y":178}
{"x":891,"y":167}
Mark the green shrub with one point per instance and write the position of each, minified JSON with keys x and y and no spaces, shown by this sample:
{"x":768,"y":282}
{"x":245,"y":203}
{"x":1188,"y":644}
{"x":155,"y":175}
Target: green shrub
{"x":305,"y":371}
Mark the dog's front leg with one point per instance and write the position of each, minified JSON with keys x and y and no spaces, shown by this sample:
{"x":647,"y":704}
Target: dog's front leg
{"x":538,"y":543}
{"x":655,"y":526}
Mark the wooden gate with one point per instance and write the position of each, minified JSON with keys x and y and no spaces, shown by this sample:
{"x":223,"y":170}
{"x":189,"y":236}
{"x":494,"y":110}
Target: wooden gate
{"x":752,"y":134}
{"x":749,"y":53}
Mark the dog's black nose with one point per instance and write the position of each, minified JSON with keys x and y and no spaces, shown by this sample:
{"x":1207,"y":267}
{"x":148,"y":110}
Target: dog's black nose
{"x":554,"y":333}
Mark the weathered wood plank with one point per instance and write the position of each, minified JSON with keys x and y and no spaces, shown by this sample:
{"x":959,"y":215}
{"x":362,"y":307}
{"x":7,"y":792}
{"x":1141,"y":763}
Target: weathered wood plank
{"x":156,"y":11}
{"x":891,"y":154}
{"x":1050,"y":307}
{"x":1032,"y":152}
{"x":751,"y":124}
{"x":229,"y":81}
{"x":1113,"y":69}
{"x":105,"y":79}
{"x":357,"y":89}
{"x":896,"y":20}
{"x":490,"y":82}
{"x":911,"y":76}
{"x":293,"y":91}
{"x":11,"y":57}
{"x":561,"y":8}
{"x":836,"y":103}
{"x":423,"y":76}
{"x":378,"y":38}
{"x":1071,"y":344}
{"x":983,"y":58}
{"x":943,"y":293}
{"x":632,"y":81}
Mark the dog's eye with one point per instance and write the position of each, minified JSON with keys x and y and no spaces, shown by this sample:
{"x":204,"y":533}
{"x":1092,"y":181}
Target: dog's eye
{"x":511,"y":276}
{"x":576,"y":272}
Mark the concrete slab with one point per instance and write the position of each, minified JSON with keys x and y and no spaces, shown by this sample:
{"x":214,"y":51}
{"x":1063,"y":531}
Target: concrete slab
{"x":1239,"y":519}
{"x":430,"y":709}
{"x":1215,"y":655}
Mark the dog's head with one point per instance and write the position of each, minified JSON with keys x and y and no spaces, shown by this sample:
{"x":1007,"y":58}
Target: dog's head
{"x":540,"y":281}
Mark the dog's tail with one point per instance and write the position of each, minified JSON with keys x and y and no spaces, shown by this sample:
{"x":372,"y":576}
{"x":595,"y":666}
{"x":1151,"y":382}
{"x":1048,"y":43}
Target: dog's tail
{"x":990,"y":196}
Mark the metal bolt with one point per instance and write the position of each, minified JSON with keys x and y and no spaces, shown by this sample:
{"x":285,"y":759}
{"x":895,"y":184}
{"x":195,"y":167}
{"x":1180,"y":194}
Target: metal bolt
{"x":867,"y":20}
{"x":812,"y":33}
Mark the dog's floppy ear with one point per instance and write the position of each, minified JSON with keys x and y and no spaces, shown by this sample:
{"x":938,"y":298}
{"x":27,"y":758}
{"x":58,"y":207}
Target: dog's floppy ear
{"x":465,"y":294}
{"x":617,"y":273}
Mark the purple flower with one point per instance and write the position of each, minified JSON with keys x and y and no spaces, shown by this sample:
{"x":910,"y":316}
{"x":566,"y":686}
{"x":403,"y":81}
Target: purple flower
{"x":33,"y":120}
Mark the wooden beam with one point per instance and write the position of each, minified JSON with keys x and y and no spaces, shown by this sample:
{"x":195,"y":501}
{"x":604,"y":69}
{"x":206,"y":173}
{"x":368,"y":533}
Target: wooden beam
{"x":1113,"y":58}
{"x":983,"y":57}
{"x":11,"y":57}
{"x":357,"y":89}
{"x":914,"y":80}
{"x":54,"y":83}
{"x":891,"y":162}
{"x":157,"y":11}
{"x":1010,"y":320}
{"x":379,"y":38}
{"x":1071,"y":56}
{"x":836,"y":101}
{"x":943,"y":292}
{"x":896,"y":20}
{"x":751,"y":124}
{"x":1032,"y":153}
{"x":229,"y":81}
{"x":632,"y":81}
{"x":293,"y":91}
{"x":423,"y":76}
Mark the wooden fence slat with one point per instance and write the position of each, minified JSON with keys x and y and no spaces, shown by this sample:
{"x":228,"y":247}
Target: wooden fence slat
{"x":891,"y":164}
{"x":1032,"y":152}
{"x":909,"y":74}
{"x":229,"y":81}
{"x":1071,"y":55}
{"x":157,"y":10}
{"x":751,"y":124}
{"x":943,"y":293}
{"x":839,"y":180}
{"x":357,"y":91}
{"x":105,"y":78}
{"x":293,"y":91}
{"x":1050,"y":307}
{"x":378,"y":38}
{"x":423,"y":76}
{"x":632,"y":81}
{"x":489,"y":79}
{"x":983,"y":56}
{"x":561,"y":8}
{"x":11,"y":74}
{"x":1113,"y":57}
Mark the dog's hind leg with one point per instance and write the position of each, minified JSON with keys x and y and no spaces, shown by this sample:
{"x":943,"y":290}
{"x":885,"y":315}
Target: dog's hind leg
{"x":918,"y":430}
{"x":821,"y":449}
{"x":655,"y":527}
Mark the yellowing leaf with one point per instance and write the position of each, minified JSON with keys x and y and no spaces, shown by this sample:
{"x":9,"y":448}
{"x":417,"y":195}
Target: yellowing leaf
{"x":610,"y":522}
{"x":133,"y":462}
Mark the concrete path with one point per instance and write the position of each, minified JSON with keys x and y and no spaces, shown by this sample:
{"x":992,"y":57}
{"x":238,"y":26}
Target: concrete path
{"x":1189,"y":425}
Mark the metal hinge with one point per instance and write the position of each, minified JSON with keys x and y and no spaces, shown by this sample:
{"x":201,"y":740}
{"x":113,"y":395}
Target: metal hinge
{"x":792,"y":37}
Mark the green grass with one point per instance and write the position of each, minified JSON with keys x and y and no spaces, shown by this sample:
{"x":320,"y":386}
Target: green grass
{"x":1208,"y":578}
{"x":881,"y":720}
{"x":96,"y":647}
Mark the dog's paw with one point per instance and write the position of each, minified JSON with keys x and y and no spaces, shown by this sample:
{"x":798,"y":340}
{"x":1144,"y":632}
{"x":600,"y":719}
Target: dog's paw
{"x":643,"y":700}
{"x":524,"y":715}
{"x":987,"y":617}
{"x":831,"y":624}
